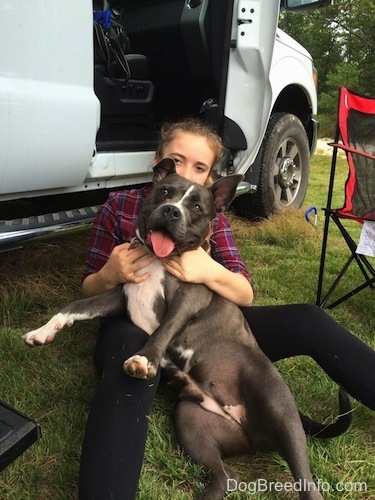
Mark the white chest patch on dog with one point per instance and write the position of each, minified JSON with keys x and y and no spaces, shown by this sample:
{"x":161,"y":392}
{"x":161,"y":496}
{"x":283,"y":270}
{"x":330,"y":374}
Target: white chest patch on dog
{"x":141,"y":297}
{"x":186,"y":355}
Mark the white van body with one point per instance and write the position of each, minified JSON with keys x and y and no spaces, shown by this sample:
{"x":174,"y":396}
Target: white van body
{"x":63,"y":144}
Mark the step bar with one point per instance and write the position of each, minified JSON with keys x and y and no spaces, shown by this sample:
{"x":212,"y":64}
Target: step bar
{"x":17,"y":232}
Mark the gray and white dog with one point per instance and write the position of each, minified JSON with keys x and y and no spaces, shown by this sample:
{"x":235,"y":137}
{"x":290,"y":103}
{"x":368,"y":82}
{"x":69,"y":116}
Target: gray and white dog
{"x":232,"y":400}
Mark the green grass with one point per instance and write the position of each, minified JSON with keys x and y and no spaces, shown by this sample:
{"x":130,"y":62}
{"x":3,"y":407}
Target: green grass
{"x":54,"y":384}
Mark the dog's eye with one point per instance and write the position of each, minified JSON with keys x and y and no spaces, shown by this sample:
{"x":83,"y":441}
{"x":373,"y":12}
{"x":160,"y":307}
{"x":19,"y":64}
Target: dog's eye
{"x":197,"y":208}
{"x":164,"y":191}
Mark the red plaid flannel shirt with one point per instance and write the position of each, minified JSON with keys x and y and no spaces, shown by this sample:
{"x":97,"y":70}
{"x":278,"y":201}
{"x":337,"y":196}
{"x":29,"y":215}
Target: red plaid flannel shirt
{"x":115,"y":224}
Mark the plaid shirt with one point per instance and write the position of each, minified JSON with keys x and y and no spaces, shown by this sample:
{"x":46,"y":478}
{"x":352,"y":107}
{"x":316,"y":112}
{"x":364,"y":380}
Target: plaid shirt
{"x":115,"y":224}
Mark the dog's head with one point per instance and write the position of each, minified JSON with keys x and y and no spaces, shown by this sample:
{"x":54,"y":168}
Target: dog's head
{"x":176,"y":216}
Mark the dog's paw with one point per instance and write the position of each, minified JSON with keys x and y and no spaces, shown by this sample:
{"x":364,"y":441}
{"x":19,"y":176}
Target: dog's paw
{"x":46,"y":333}
{"x":38,"y":337}
{"x":139,"y":367}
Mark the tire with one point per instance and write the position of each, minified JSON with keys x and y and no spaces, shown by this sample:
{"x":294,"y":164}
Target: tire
{"x":284,"y":170}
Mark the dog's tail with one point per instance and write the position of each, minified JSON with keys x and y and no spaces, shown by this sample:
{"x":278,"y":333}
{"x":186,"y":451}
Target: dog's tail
{"x":341,"y":425}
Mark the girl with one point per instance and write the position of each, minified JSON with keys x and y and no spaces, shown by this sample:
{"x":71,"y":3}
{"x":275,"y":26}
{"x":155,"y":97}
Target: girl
{"x":115,"y":436}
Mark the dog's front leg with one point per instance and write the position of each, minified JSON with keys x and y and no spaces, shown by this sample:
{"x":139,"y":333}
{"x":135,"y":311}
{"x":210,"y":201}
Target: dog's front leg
{"x":182,"y":307}
{"x":109,"y":303}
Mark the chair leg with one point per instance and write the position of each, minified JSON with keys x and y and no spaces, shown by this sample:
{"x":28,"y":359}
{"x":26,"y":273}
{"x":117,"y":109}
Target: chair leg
{"x":361,"y":260}
{"x":364,"y":265}
{"x":335,"y":283}
{"x":322,"y":261}
{"x":369,"y":283}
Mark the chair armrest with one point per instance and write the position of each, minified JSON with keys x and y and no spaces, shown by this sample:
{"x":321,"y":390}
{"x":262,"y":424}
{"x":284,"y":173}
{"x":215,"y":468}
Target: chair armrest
{"x":349,"y":149}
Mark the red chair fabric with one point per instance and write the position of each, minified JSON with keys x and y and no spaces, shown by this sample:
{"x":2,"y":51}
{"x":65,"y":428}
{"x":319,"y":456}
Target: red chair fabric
{"x":355,"y":134}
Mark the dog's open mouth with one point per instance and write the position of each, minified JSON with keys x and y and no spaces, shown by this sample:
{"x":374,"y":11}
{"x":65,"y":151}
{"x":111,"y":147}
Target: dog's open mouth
{"x":161,"y":242}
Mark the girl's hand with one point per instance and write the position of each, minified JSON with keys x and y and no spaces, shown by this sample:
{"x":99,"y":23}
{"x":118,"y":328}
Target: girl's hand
{"x":192,"y":266}
{"x":196,"y":266}
{"x":125,"y":265}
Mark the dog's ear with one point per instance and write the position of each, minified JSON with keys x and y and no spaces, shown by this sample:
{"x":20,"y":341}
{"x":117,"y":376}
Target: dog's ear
{"x":163,"y":168}
{"x":224,"y":190}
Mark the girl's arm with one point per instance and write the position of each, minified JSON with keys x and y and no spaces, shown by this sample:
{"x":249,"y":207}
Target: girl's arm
{"x":224,"y":272}
{"x":121,"y":267}
{"x":196,"y":266}
{"x":111,"y":262}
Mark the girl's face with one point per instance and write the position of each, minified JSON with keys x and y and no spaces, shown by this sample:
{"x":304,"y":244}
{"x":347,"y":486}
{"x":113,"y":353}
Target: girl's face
{"x":193,"y":156}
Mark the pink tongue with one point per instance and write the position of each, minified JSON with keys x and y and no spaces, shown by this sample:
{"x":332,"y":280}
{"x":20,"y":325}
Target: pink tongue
{"x":161,"y":243}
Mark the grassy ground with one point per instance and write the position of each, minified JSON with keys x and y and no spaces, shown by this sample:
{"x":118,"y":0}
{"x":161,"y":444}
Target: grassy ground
{"x":54,"y":384}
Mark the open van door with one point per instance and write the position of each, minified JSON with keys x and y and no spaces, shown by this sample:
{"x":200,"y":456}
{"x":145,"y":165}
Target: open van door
{"x":49,"y":113}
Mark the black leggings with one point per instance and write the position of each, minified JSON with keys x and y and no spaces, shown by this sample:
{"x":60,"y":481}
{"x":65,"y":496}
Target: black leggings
{"x":115,"y":436}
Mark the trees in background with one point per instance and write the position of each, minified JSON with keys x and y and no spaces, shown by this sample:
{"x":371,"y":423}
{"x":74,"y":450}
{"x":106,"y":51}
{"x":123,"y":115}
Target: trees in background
{"x":341,"y":39}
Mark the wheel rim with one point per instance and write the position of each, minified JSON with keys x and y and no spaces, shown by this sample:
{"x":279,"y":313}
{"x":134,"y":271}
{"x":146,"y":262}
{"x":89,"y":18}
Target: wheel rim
{"x":287,"y":172}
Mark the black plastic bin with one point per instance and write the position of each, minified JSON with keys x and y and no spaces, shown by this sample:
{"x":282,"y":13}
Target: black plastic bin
{"x":17,"y":433}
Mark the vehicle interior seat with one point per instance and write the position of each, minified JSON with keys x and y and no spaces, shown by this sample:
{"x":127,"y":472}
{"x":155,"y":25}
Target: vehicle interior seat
{"x":126,"y":105}
{"x":154,"y":28}
{"x":186,"y":44}
{"x":126,"y":102}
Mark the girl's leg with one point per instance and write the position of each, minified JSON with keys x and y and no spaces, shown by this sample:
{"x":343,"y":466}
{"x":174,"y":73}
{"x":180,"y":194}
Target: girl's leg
{"x":115,"y":436}
{"x":289,"y":330}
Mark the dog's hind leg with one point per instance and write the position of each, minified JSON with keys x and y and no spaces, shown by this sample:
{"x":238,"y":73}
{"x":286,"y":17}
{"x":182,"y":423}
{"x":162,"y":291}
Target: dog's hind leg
{"x":274,"y":424}
{"x":206,"y":437}
{"x":109,"y":303}
{"x":291,"y":444}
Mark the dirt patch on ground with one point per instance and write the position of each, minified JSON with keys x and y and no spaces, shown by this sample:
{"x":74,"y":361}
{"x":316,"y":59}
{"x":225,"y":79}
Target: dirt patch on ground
{"x":322,"y":147}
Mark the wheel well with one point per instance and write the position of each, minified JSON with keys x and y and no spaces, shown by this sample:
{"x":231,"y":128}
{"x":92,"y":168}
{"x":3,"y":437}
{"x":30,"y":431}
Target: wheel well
{"x":293,"y":100}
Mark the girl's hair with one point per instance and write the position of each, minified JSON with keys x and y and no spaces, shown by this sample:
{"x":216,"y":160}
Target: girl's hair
{"x":192,"y":126}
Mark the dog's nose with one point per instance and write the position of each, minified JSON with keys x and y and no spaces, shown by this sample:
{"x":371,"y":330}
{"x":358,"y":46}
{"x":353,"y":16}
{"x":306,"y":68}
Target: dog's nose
{"x":171,"y":212}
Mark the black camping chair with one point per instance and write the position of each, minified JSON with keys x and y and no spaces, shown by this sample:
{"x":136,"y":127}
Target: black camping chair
{"x":355,"y":134}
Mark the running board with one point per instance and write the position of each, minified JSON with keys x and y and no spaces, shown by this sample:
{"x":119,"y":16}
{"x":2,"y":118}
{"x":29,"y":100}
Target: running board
{"x":14,"y":233}
{"x":17,"y":232}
